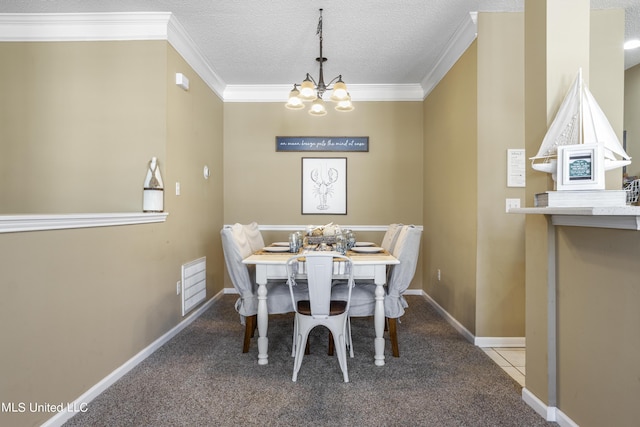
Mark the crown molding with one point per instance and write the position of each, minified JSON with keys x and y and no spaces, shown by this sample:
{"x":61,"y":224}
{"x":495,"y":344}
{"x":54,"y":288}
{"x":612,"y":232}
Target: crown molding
{"x":83,"y":26}
{"x":387,"y":92}
{"x":359,"y":93}
{"x":164,"y":26}
{"x":50,"y":27}
{"x":461,"y":40}
{"x":187,"y":48}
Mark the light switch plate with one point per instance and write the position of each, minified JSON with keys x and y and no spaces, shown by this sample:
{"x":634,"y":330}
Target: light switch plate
{"x":512,"y":204}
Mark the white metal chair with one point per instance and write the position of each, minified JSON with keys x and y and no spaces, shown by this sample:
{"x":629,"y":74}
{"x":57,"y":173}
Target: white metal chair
{"x":320,"y":309}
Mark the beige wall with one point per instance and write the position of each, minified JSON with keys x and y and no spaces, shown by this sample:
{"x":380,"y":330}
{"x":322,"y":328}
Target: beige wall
{"x":500,"y":242}
{"x":477,"y":246}
{"x":384,"y":185}
{"x":77,"y":304}
{"x":66,"y":121}
{"x":598,"y":318}
{"x":631,"y":114}
{"x":451,"y":197}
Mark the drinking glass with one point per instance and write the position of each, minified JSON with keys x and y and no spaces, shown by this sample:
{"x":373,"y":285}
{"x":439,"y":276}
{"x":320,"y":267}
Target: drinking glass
{"x":293,"y":243}
{"x":341,"y":244}
{"x":351,"y":239}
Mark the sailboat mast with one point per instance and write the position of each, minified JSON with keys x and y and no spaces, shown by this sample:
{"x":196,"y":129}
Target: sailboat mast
{"x":580,"y":119}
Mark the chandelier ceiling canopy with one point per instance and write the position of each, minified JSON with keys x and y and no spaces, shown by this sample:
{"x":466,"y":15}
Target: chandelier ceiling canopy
{"x":311,"y":90}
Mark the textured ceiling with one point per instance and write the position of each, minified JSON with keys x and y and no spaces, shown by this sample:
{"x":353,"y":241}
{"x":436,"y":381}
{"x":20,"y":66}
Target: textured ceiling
{"x":274,"y":42}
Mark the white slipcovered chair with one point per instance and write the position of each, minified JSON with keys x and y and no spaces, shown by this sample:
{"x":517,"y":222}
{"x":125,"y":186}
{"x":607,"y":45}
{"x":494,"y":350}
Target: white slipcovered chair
{"x":391,"y":237}
{"x":236,"y":247}
{"x":321,"y":309}
{"x":406,"y":249}
{"x":254,"y":236}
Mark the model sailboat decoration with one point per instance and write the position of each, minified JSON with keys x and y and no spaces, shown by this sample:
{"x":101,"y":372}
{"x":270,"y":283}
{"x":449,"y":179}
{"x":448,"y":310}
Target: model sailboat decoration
{"x":579,"y":146}
{"x":579,"y":121}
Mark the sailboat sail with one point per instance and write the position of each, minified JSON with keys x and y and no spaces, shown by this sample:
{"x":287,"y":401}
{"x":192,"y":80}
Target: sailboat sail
{"x":580,"y":120}
{"x":597,"y":129}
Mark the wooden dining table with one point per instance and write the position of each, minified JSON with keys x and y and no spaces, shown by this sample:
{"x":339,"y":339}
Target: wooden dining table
{"x":369,"y":266}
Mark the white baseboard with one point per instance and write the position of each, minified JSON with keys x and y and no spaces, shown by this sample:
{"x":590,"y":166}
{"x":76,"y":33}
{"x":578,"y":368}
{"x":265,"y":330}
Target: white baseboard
{"x":229,"y":291}
{"x":549,"y":413}
{"x":546,"y":412}
{"x":449,"y":318}
{"x":81,"y":402}
{"x":478,"y":341}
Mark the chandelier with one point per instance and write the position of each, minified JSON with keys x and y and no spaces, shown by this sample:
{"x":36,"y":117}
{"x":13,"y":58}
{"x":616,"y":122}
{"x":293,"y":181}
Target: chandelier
{"x":312,"y":90}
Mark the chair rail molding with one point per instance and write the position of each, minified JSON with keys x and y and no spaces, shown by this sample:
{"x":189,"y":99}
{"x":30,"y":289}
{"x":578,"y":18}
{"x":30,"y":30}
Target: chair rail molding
{"x":278,"y":227}
{"x":22,"y":223}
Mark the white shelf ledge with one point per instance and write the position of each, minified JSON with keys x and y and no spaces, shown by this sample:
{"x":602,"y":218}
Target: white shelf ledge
{"x":21,"y":223}
{"x":620,"y":217}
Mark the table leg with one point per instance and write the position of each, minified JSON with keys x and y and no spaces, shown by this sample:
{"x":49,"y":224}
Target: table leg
{"x":263,"y":319}
{"x":378,"y":320}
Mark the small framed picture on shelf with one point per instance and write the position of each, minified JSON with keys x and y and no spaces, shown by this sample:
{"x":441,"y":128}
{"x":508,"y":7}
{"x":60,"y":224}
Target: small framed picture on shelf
{"x":324,"y":185}
{"x":580,"y":167}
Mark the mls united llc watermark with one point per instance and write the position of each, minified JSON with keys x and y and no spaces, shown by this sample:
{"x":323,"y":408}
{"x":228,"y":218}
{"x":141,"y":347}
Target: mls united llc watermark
{"x":21,"y":407}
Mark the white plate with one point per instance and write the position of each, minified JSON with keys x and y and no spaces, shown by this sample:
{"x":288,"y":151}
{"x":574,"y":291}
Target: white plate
{"x":365,"y":244}
{"x":367,"y":249}
{"x":276,"y":249}
{"x":280,"y":244}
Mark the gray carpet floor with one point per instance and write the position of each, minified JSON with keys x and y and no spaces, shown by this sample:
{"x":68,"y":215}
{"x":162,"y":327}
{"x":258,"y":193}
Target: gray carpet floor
{"x":201,"y":378}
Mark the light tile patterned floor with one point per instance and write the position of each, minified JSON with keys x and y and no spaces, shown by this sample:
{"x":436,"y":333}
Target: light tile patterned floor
{"x":511,"y":359}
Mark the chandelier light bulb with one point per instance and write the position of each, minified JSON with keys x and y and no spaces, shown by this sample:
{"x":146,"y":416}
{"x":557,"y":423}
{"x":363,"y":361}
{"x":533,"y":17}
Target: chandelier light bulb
{"x":294,"y":103}
{"x":307,"y":90}
{"x":317,"y":108}
{"x":345,"y":105}
{"x":339,"y":92}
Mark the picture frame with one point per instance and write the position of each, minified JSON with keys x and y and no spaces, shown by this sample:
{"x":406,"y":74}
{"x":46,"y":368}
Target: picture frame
{"x":580,"y":167}
{"x":324,"y":185}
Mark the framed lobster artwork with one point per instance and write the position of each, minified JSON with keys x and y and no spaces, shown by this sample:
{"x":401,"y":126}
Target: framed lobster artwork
{"x":324,"y":185}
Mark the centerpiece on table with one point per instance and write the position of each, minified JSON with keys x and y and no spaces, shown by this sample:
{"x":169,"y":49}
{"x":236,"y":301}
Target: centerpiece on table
{"x":329,"y":237}
{"x":323,"y":234}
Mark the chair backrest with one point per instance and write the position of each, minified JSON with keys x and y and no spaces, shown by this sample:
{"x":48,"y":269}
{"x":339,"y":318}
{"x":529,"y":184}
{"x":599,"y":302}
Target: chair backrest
{"x":254,"y":236}
{"x":319,"y":267}
{"x":406,"y":250}
{"x":391,"y":237}
{"x":241,"y":240}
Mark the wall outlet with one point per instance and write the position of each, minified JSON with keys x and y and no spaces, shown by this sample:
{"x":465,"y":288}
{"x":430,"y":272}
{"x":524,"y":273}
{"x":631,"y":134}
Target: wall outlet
{"x":178,"y":287}
{"x":439,"y":275}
